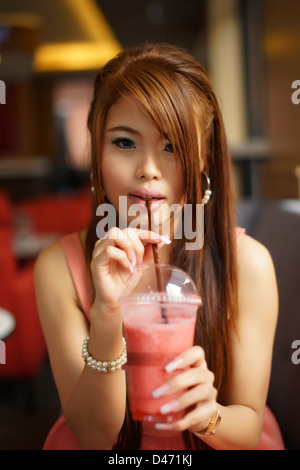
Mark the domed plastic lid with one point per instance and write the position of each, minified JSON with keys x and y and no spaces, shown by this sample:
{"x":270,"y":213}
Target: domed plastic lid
{"x":164,"y":283}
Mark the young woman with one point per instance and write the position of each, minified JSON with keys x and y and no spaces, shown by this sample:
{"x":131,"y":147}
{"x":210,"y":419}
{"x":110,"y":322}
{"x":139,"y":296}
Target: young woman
{"x":156,"y":130}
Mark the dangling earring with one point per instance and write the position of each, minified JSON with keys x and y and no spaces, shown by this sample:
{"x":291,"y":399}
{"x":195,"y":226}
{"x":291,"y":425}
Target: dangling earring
{"x":208,"y":191}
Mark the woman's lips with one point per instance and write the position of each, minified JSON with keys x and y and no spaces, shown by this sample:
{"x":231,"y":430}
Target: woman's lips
{"x":146,"y":193}
{"x":140,"y":198}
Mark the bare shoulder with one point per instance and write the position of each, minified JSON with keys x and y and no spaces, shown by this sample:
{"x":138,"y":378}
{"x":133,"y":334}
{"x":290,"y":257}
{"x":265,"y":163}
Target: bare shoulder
{"x":53,"y":281}
{"x":53,"y":260}
{"x":253,"y":257}
{"x":63,"y":322}
{"x":256,"y":277}
{"x":51,"y":263}
{"x":49,"y":255}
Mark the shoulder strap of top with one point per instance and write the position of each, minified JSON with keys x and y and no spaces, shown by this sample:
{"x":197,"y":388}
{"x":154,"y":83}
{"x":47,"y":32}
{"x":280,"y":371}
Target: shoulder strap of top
{"x":77,"y":264}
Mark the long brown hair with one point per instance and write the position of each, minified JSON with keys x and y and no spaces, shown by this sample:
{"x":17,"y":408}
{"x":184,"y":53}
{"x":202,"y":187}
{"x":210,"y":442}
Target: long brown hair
{"x":177,"y":95}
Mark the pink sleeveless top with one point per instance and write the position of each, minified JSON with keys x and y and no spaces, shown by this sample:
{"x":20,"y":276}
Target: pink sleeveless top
{"x":60,"y":436}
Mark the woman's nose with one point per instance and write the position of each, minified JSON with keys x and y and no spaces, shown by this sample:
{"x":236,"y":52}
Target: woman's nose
{"x":148,"y":168}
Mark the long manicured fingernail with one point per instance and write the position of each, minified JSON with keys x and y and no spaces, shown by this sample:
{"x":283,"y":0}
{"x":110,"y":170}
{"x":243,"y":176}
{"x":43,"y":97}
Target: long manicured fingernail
{"x":163,"y":426}
{"x":161,"y":390}
{"x":130,"y":267}
{"x":174,"y":364}
{"x":168,"y":407}
{"x":133,"y":259}
{"x":165,"y":239}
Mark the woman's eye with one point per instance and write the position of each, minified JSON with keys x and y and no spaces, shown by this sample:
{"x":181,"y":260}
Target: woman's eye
{"x":123,"y":143}
{"x":169,"y":148}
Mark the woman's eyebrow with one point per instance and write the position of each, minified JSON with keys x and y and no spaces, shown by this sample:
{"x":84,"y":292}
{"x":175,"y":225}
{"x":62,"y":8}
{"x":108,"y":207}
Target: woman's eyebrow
{"x":123,"y":128}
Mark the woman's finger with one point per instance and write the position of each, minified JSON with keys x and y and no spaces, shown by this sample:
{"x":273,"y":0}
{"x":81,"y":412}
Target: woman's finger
{"x":195,"y":419}
{"x":191,"y":357}
{"x":184,"y":380}
{"x":113,"y":253}
{"x":153,"y":237}
{"x":195,"y":396}
{"x":129,"y":239}
{"x":144,"y":235}
{"x":137,"y":254}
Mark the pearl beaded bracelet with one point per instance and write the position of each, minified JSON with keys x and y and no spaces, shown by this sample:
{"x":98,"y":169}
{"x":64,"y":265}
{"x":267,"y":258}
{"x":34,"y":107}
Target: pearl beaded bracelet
{"x":103,"y":366}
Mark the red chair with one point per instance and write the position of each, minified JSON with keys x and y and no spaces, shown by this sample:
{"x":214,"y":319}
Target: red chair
{"x":58,"y":213}
{"x":26,"y":352}
{"x":6,"y":210}
{"x":8,"y":268}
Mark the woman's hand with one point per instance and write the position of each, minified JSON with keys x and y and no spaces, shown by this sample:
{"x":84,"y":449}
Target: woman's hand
{"x":114,"y":262}
{"x":199,"y":395}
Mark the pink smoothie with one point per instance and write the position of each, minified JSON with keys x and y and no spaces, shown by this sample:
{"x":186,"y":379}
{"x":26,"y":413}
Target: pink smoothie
{"x":151,"y":344}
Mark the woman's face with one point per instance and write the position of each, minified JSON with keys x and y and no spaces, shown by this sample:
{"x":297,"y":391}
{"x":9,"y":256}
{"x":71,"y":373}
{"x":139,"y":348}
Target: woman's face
{"x":138,"y":162}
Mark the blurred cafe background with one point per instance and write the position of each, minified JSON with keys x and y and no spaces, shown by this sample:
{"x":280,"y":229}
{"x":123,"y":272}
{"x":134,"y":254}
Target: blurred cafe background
{"x":50,"y":52}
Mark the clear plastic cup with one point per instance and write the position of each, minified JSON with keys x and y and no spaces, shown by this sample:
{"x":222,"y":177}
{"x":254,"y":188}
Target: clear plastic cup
{"x":158,"y":325}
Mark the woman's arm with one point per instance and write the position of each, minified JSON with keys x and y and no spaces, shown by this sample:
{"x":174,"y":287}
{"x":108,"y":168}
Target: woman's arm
{"x":252,"y":345}
{"x":82,"y":391}
{"x":93,"y":402}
